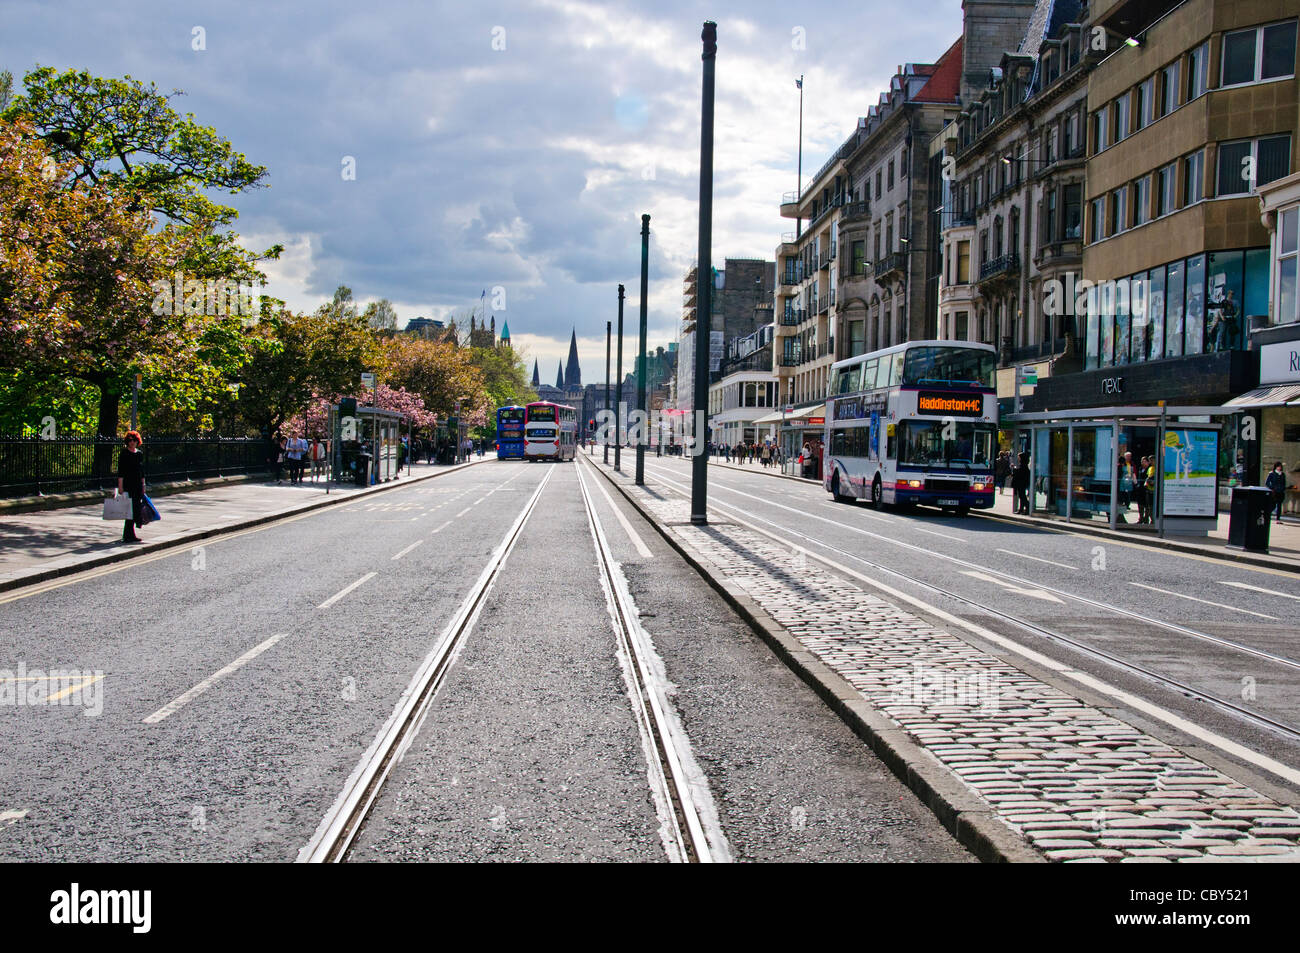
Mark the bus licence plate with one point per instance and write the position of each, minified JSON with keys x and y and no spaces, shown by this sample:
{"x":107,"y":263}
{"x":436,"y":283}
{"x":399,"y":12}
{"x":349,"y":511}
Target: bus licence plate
{"x":950,"y":502}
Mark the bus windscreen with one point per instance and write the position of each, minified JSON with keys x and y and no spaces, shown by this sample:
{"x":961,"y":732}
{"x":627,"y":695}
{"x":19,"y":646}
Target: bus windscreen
{"x":541,"y":413}
{"x":949,"y":366}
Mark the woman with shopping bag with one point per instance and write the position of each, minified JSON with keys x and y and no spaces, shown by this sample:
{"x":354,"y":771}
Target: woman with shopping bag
{"x":130,"y":480}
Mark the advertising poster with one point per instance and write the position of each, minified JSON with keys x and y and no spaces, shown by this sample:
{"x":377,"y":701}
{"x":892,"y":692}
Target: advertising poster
{"x":1191,"y":472}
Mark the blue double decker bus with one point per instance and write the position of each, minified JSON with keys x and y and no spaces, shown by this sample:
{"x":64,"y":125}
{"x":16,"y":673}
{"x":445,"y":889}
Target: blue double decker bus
{"x":510,"y":432}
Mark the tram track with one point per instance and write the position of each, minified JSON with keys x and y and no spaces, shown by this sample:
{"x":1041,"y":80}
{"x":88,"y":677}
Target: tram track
{"x":689,"y":829}
{"x":749,"y":520}
{"x":343,"y":822}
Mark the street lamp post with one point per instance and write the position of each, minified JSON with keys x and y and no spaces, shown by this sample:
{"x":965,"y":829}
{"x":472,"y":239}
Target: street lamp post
{"x":609,"y":333}
{"x":700,"y":463}
{"x":642,"y":436}
{"x":618,"y":404}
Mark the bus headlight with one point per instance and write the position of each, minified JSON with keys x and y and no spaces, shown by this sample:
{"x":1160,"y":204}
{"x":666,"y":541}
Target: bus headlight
{"x":914,"y":483}
{"x":977,"y":487}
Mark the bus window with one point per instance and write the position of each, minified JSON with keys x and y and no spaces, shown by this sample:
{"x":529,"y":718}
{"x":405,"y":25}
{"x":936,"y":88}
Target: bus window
{"x":882,"y":371}
{"x":948,"y":365}
{"x":848,"y":379}
{"x":924,"y":443}
{"x":896,"y":372}
{"x":868,"y":374}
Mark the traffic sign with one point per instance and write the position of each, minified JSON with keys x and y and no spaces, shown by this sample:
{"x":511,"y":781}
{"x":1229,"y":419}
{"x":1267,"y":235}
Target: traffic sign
{"x":1028,"y":374}
{"x":368,"y":380}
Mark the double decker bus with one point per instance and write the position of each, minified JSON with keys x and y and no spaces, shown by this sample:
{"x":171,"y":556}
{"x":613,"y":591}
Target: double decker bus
{"x":510,"y":432}
{"x":550,"y":431}
{"x":914,"y":424}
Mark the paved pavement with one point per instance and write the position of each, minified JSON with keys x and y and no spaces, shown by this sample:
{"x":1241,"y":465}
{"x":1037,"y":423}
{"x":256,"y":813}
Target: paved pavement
{"x":1083,"y":746}
{"x":233,"y":688}
{"x":38,"y":543}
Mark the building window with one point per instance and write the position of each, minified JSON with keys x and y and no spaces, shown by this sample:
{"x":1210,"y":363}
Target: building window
{"x":1101,"y":129}
{"x":1194,"y":177}
{"x":902,"y":164}
{"x":1073,"y":212}
{"x":1049,"y":146}
{"x":1121,"y":111}
{"x":962,"y":330}
{"x":1169,"y":89}
{"x":889,"y":178}
{"x":1049,"y":217}
{"x":879,"y":190}
{"x":859,"y":258}
{"x":1198,"y":71}
{"x":963,"y":263}
{"x":1142,"y":200}
{"x":1166,"y":180}
{"x":1069,"y":135}
{"x":997,"y":237}
{"x":1119,"y":205}
{"x":1097,"y":219}
{"x":1146,"y":101}
{"x":1287,"y":258}
{"x":1257,"y":54}
{"x":1247,"y":163}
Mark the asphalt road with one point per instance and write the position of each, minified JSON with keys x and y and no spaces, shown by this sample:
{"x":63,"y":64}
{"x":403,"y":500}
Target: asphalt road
{"x":1219,"y":627}
{"x":244,"y":679}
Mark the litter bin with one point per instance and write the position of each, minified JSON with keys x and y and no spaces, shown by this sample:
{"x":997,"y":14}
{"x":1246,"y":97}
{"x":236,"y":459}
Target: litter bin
{"x":363,"y":471}
{"x":1248,"y":519}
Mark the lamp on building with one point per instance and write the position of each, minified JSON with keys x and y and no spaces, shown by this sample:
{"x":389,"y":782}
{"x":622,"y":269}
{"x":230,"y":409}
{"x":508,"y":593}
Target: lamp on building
{"x":1135,"y":41}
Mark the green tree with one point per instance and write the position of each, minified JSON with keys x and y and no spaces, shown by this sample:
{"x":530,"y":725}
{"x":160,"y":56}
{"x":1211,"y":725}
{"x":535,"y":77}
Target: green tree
{"x":381,"y":315}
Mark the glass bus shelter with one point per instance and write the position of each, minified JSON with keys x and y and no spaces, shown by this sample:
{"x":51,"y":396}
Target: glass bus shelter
{"x":1075,"y":460}
{"x":373,"y":433}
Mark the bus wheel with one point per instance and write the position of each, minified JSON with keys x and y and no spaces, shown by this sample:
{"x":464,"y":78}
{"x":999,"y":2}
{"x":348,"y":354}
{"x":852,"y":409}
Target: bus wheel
{"x":835,"y":490}
{"x":877,"y":495}
{"x":963,"y":511}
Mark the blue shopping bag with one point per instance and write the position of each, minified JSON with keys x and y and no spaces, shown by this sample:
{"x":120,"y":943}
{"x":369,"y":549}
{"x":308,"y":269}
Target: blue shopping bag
{"x":150,"y":512}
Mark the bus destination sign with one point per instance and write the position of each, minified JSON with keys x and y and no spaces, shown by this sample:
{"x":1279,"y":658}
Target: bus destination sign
{"x":949,"y":405}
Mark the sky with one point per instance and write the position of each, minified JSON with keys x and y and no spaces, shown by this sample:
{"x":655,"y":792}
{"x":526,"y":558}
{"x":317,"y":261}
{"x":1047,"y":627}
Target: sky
{"x":429,"y":152}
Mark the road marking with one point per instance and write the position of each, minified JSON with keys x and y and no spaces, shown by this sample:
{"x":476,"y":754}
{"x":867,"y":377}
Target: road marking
{"x":408,"y":549}
{"x":1206,"y":601}
{"x":1040,"y":559}
{"x":10,"y":818}
{"x":464,"y":511}
{"x":343,"y":592}
{"x":642,"y":549}
{"x":173,"y":706}
{"x":1271,"y":592}
{"x":441,"y":528}
{"x":83,"y":683}
{"x":1035,"y":593}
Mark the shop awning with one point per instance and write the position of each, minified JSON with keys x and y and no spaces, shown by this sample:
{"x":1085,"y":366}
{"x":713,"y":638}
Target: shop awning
{"x":1273,"y":395}
{"x":797,"y":417}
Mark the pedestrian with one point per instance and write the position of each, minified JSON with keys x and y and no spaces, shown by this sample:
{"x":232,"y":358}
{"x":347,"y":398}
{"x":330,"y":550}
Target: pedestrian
{"x":281,"y":449}
{"x":1127,"y":482}
{"x":805,"y":459}
{"x":130,"y":480}
{"x":317,"y":455}
{"x":1002,"y":470}
{"x":1149,"y":486}
{"x":295,"y":452}
{"x":1020,"y":485}
{"x":1277,"y":483}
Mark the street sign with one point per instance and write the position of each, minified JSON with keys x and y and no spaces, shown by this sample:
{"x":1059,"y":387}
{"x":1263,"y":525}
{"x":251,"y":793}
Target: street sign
{"x":1028,"y":374}
{"x":788,"y":410}
{"x":368,"y":380}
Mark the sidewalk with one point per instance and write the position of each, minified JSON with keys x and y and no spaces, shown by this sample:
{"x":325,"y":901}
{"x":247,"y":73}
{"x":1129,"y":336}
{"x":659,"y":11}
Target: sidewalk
{"x":45,"y":544}
{"x":1284,"y":538}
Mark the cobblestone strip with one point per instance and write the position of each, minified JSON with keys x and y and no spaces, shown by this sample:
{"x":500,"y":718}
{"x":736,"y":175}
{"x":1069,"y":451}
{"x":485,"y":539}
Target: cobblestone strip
{"x":1078,"y":784}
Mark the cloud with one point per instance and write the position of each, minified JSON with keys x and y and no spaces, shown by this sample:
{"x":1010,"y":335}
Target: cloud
{"x":499,"y":143}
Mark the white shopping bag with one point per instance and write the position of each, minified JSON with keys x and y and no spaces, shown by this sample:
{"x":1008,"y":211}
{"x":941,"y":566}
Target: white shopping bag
{"x":118,"y":507}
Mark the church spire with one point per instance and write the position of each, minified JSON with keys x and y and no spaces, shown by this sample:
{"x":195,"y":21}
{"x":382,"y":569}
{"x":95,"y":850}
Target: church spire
{"x":572,"y":372}
{"x":537,"y":379}
{"x":559,"y":376}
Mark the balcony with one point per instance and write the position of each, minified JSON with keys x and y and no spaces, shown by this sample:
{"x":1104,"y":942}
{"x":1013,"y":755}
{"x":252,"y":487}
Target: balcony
{"x":832,"y":297}
{"x":790,"y":279}
{"x":790,"y":205}
{"x":792,"y":317}
{"x":999,"y":270}
{"x":823,"y":303}
{"x":823,"y":260}
{"x":892,"y":267}
{"x":854,"y":211}
{"x":790,"y":359}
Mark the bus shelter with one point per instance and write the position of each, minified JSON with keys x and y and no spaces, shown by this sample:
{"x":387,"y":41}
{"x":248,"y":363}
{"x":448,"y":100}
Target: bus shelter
{"x":797,"y":426}
{"x":1075,"y":460}
{"x":366,"y":441}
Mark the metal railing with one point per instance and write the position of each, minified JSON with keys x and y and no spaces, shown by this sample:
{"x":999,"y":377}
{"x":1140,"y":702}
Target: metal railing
{"x":791,"y":317}
{"x":32,"y":466}
{"x":894,"y":261}
{"x":1002,"y":265}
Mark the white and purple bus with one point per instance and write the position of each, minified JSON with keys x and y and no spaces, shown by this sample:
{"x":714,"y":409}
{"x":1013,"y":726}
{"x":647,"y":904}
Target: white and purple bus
{"x":550,"y":431}
{"x":916,"y":423}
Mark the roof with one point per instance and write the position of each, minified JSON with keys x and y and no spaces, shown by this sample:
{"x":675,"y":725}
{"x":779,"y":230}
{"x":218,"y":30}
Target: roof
{"x":944,"y":84}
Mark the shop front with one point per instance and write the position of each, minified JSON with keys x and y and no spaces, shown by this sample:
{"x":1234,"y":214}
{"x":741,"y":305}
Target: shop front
{"x":799,"y":427}
{"x":1271,"y":416}
{"x":1146,"y":467}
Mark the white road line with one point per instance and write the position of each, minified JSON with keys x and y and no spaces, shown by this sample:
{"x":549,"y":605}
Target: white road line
{"x":1039,"y":559}
{"x":343,"y":592}
{"x":441,"y":528}
{"x":1271,"y":592}
{"x":464,"y":511}
{"x":642,"y":549}
{"x":173,"y":706}
{"x":408,"y":549}
{"x":1206,"y":601}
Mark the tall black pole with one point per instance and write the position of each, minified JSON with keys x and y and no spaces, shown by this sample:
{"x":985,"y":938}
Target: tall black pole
{"x":798,"y":222}
{"x":642,"y":431}
{"x":609,"y":333}
{"x":618,"y":398}
{"x":704,"y":281}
